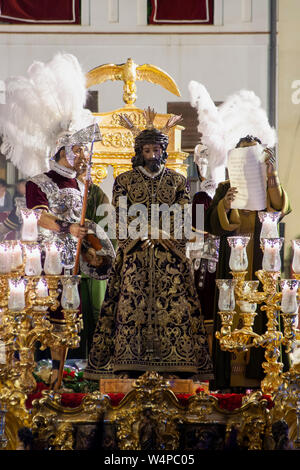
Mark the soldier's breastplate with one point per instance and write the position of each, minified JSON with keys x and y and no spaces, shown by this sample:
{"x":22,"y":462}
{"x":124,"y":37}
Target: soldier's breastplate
{"x":65,"y":204}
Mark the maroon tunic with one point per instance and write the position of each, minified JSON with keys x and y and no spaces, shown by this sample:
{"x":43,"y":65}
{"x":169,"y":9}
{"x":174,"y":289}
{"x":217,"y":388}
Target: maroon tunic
{"x":204,"y":280}
{"x":36,"y":199}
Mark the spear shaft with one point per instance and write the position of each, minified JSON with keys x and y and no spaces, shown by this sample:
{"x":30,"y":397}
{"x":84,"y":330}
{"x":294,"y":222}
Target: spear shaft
{"x":88,"y":179}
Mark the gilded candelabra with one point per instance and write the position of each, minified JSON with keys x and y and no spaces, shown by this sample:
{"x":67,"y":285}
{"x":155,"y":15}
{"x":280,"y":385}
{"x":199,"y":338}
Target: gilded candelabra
{"x":275,"y":303}
{"x":28,"y":292}
{"x":23,"y":327}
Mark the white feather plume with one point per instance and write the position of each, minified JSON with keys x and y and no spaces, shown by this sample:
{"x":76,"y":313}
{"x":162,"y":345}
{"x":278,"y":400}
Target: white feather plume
{"x":222,"y":127}
{"x":210,"y":126}
{"x":243,"y":115}
{"x":40,"y":106}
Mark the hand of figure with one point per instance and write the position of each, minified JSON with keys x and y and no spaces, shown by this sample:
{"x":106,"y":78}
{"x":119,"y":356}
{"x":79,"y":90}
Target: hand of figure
{"x":270,"y":160}
{"x":164,"y":240}
{"x":195,"y":254}
{"x":229,"y":197}
{"x":77,"y":231}
{"x":149,"y":243}
{"x":166,"y":243}
{"x":196,"y":245}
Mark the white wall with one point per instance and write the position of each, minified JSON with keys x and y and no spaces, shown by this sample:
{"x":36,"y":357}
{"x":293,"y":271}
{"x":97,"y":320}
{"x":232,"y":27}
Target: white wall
{"x":289,"y":111}
{"x":225,"y":57}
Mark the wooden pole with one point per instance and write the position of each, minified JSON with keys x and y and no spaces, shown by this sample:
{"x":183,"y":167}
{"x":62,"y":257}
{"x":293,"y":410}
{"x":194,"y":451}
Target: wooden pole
{"x":64,"y":351}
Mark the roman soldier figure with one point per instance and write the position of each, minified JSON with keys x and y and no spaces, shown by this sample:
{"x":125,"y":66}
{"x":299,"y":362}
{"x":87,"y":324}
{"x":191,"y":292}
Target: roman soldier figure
{"x":46,"y":132}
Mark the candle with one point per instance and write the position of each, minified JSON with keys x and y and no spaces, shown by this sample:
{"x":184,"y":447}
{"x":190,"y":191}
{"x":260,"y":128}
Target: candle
{"x":17,"y":258}
{"x":29,"y":228}
{"x":296,"y":256}
{"x":271,"y":258}
{"x":289,"y":302}
{"x":226,"y":294}
{"x":70,"y":296}
{"x":247,"y":307}
{"x":53,"y":260}
{"x":42,"y":288}
{"x":2,"y":361}
{"x":269,"y":222}
{"x":33,"y":266}
{"x":267,"y":229}
{"x":2,"y":259}
{"x":5,"y":258}
{"x":249,"y":287}
{"x":238,"y":260}
{"x":16,"y":299}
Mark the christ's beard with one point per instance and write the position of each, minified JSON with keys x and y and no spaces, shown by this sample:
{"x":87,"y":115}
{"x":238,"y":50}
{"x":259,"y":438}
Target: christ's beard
{"x":153,"y":165}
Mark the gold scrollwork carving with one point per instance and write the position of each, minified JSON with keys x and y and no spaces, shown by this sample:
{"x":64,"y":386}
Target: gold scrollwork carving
{"x":150,"y":417}
{"x":55,"y":426}
{"x":117,"y":139}
{"x":148,"y":421}
{"x":99,"y":173}
{"x":137,"y":118}
{"x":202,"y":405}
{"x":64,"y":438}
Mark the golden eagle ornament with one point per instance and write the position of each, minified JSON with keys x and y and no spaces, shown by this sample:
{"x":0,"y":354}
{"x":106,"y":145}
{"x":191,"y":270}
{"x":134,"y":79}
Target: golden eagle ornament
{"x":130,"y":73}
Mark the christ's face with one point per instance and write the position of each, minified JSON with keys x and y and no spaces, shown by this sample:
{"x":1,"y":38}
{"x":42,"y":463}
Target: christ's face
{"x":152,"y":151}
{"x":152,"y":154}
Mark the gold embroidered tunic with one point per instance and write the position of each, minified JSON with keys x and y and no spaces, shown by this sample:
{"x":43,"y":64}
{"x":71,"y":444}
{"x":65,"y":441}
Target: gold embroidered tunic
{"x":150,"y":318}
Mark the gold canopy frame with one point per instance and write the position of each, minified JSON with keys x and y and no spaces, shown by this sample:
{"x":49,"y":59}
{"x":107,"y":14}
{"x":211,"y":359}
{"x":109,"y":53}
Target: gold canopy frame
{"x":117,"y":146}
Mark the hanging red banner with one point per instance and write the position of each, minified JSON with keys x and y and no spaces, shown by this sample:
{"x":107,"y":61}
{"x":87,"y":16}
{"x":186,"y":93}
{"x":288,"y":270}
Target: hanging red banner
{"x":181,"y":12}
{"x":41,"y":11}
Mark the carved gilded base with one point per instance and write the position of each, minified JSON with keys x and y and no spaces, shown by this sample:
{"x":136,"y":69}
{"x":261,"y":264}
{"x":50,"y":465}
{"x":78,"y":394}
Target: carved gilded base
{"x":126,"y":385}
{"x":287,"y":403}
{"x":149,"y":417}
{"x":13,"y":401}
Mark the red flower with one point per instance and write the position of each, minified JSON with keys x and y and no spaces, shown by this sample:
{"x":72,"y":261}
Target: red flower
{"x":72,"y":400}
{"x":229,"y":401}
{"x":269,"y":400}
{"x":69,"y":374}
{"x":115,"y":398}
{"x":40,"y":386}
{"x":183,"y":397}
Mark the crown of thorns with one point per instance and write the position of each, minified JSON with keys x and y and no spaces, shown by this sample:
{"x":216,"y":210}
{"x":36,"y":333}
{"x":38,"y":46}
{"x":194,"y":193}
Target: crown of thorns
{"x":157,"y":134}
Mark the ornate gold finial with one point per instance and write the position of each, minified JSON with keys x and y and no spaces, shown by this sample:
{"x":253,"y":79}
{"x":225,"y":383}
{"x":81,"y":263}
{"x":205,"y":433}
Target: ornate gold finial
{"x":130,"y":73}
{"x":149,"y":115}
